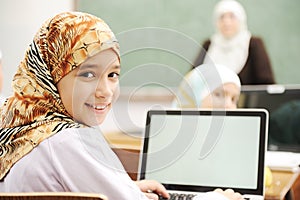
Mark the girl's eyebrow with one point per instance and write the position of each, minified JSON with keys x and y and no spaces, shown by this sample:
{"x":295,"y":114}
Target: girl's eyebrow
{"x":118,"y":66}
{"x":87,"y":66}
{"x":91,"y":66}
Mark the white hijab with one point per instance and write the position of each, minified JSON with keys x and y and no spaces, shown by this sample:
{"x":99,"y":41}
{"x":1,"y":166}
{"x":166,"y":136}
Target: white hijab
{"x":231,"y":52}
{"x":202,"y":81}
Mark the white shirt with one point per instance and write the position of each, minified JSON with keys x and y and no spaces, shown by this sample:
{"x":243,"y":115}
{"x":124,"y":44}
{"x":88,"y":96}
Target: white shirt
{"x":75,"y":160}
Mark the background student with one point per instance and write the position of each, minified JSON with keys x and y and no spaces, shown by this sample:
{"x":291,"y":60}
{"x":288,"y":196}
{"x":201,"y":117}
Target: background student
{"x":209,"y":86}
{"x":234,"y":46}
{"x":63,"y":89}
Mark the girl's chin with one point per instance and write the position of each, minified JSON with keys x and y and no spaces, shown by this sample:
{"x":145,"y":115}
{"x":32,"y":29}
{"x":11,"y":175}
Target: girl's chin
{"x":90,"y":118}
{"x":94,"y":122}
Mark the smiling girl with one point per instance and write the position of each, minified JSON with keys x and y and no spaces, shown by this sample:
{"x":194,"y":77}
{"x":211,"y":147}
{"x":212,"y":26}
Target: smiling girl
{"x":49,"y":137}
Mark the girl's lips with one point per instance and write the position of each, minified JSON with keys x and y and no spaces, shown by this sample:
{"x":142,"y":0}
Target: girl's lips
{"x":97,"y":107}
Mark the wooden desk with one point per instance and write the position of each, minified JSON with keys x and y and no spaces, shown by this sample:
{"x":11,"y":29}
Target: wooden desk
{"x":119,"y":140}
{"x":281,"y":185}
{"x":127,"y":147}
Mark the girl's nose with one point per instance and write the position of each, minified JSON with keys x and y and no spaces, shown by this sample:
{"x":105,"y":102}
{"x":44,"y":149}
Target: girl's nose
{"x":103,"y":90}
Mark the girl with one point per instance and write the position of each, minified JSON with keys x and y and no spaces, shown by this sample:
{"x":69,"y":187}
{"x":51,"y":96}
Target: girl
{"x":63,"y":89}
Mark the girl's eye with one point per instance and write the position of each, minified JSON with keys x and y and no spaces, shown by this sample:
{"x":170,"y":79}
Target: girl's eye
{"x":87,"y":74}
{"x":114,"y":75}
{"x":217,"y":94}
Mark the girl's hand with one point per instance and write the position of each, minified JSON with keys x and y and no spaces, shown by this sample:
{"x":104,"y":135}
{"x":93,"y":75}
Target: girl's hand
{"x":230,"y":194}
{"x":152,"y":189}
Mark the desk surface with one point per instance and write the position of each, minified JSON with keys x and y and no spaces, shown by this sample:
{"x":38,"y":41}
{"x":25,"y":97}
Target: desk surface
{"x":119,"y":140}
{"x":281,"y":184}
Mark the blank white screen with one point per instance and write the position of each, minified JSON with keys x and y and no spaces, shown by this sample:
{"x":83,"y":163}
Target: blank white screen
{"x":230,"y":160}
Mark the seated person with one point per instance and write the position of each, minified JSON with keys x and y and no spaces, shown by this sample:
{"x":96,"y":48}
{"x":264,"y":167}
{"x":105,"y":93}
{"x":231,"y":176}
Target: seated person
{"x":63,"y":89}
{"x":209,"y":86}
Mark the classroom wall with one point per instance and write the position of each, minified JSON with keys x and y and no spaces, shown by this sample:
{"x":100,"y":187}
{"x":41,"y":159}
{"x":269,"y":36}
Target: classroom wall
{"x":19,"y":21}
{"x":156,"y":35}
{"x":190,"y":21}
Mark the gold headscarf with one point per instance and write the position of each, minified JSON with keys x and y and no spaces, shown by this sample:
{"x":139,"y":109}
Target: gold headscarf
{"x":35,"y":111}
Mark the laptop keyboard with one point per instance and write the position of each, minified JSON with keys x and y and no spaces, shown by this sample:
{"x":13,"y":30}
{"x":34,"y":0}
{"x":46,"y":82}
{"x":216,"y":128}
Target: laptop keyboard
{"x":177,"y":196}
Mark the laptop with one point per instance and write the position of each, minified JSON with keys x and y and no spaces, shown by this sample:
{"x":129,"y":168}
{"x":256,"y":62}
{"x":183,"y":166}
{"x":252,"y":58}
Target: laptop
{"x":274,"y":98}
{"x":195,"y":151}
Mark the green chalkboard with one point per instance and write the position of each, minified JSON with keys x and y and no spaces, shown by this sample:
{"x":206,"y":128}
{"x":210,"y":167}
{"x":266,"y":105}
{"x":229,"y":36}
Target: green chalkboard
{"x":159,"y":39}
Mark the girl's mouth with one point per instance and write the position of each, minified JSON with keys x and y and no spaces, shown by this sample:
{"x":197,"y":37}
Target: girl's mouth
{"x":97,"y":107}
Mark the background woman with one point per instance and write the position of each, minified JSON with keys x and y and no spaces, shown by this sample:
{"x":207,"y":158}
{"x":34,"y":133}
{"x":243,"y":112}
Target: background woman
{"x":234,"y":46}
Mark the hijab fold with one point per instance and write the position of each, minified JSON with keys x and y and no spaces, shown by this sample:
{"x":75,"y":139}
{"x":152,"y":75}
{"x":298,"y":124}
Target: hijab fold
{"x":35,"y":111}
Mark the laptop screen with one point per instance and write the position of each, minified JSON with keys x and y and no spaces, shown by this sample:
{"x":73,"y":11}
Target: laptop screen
{"x":203,"y":150}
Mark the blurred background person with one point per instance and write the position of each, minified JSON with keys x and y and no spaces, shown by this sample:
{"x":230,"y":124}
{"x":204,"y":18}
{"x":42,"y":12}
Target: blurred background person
{"x":209,"y":86}
{"x":234,"y":46}
{"x":213,"y":87}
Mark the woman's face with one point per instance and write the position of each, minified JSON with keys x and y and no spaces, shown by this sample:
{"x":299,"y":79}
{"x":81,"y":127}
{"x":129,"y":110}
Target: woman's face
{"x":228,"y":24}
{"x":88,"y":91}
{"x":225,"y":96}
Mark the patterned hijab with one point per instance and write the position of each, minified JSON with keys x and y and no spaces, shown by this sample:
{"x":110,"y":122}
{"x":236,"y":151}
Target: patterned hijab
{"x":35,"y":111}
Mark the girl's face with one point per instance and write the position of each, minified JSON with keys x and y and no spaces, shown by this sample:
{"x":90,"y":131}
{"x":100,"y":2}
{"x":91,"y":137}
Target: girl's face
{"x":88,"y":91}
{"x":228,"y":25}
{"x":225,"y":96}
